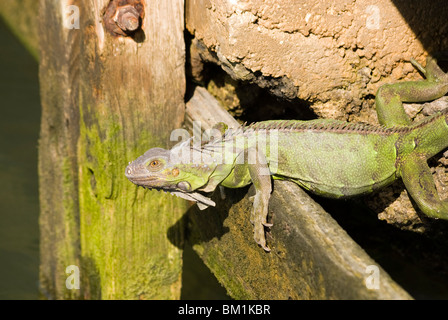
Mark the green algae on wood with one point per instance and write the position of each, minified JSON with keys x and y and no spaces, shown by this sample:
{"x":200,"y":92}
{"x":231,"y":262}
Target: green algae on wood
{"x":104,"y":101}
{"x":123,"y":228}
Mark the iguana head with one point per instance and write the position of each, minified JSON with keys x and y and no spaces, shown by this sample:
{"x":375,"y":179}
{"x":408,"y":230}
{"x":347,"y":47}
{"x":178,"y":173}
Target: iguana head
{"x":165,"y":170}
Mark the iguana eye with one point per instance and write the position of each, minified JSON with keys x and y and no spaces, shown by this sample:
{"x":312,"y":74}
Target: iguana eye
{"x":154,"y":164}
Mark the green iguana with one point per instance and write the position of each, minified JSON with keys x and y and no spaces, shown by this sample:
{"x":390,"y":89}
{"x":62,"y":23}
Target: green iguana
{"x":328,"y":157}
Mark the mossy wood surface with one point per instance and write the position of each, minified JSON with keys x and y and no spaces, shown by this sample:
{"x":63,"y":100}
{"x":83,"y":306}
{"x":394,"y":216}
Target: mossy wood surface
{"x":105,"y":101}
{"x":312,"y":257}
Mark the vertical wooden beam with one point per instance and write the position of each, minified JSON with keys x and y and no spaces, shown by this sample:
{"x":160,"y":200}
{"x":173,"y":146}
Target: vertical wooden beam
{"x":58,"y":174}
{"x":131,"y":98}
{"x":125,"y":95}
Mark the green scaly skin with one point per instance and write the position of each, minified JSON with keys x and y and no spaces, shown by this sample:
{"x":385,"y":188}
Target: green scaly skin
{"x":327,"y":157}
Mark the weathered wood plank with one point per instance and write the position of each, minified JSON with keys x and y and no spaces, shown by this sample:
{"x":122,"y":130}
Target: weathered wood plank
{"x":106,"y":99}
{"x":312,"y":257}
{"x":206,"y":109}
{"x":58,"y":172}
{"x":131,"y":96}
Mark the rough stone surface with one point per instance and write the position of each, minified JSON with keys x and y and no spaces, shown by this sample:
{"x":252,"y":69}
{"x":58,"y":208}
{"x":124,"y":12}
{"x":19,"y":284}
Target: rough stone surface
{"x":332,"y":54}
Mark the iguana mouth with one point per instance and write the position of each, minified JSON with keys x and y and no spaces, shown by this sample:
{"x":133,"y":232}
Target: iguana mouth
{"x":147,"y":182}
{"x":151,"y":183}
{"x":142,"y":179}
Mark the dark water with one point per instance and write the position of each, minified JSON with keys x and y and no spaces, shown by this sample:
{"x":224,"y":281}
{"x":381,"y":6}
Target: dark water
{"x":19,"y":203}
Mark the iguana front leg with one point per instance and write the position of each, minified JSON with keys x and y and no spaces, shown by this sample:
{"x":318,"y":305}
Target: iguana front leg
{"x":253,"y":162}
{"x":261,"y":178}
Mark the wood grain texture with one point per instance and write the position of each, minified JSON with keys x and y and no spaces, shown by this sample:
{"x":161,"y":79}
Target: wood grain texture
{"x":106,"y":100}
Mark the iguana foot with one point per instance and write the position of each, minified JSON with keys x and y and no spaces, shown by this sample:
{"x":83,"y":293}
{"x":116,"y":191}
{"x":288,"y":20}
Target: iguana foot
{"x":419,"y":182}
{"x":259,"y":236}
{"x":432,"y":71}
{"x":441,"y":211}
{"x":258,"y":218}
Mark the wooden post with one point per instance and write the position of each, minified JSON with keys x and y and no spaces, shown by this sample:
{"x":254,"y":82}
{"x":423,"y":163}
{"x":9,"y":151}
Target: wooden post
{"x":106,"y":99}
